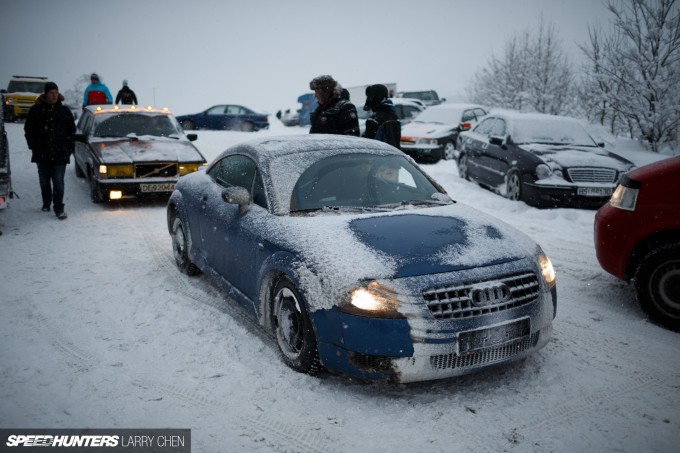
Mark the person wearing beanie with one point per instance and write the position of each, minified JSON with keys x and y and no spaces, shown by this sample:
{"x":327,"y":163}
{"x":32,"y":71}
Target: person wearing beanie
{"x":126,"y":95}
{"x":384,"y":124}
{"x":96,"y":92}
{"x":334,"y":114}
{"x":50,"y":134}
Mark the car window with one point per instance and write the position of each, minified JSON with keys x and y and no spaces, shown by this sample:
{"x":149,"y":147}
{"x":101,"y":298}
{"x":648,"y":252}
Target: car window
{"x":217,"y":110}
{"x":240,"y":171}
{"x":480,"y":113}
{"x":138,"y":124}
{"x":498,"y":128}
{"x":468,"y":115}
{"x":234,"y":110}
{"x":485,"y":126}
{"x":360,"y":180}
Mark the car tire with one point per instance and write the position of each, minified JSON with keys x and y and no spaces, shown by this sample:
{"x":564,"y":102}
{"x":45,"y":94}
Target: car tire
{"x":449,"y":151}
{"x":657,"y":284}
{"x":247,"y":127}
{"x":188,"y":125}
{"x":463,"y":167}
{"x":293,"y":329}
{"x":180,"y":247}
{"x":95,"y":192}
{"x":513,"y":186}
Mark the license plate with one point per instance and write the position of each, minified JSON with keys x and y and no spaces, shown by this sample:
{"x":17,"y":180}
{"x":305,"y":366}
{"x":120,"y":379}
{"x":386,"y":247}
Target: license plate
{"x":594,"y":191}
{"x":164,"y":187}
{"x":485,"y":338}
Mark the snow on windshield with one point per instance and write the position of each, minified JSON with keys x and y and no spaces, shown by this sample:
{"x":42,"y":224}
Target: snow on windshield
{"x":543,"y":129}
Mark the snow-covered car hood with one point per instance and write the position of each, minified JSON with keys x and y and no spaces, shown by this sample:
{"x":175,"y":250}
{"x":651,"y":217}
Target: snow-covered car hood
{"x":344,"y":249}
{"x":578,"y":156}
{"x":146,"y":150}
{"x":427,"y":130}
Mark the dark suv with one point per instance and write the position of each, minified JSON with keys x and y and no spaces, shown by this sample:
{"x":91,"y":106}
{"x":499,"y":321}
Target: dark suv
{"x":637,"y":237}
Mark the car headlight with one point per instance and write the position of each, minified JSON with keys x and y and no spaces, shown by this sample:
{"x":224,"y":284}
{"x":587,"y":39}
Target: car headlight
{"x":543,"y":171}
{"x":185,"y":169}
{"x":372,"y":300}
{"x":117,"y":171}
{"x":624,"y":197}
{"x":547,"y":270}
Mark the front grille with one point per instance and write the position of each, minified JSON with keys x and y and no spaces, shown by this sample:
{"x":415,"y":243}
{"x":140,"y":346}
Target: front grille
{"x":156,"y":170}
{"x":601,"y":175}
{"x":484,"y":356}
{"x":462,"y":301}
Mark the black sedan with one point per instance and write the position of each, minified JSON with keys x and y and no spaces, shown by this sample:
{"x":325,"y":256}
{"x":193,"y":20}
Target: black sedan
{"x":131,"y":152}
{"x":225,"y":117}
{"x":543,"y":160}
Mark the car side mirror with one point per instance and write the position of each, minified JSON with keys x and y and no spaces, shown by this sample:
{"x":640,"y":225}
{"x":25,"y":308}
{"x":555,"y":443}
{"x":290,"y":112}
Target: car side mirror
{"x":498,"y":140}
{"x":239,"y":196}
{"x":192,"y":137}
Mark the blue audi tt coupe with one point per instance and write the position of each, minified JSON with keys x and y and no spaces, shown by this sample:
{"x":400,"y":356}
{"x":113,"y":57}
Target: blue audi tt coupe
{"x":357,"y":262}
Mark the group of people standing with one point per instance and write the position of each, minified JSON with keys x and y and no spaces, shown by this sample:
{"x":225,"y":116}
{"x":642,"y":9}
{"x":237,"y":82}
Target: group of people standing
{"x":98,"y":93}
{"x":337,"y":115}
{"x":50,"y":134}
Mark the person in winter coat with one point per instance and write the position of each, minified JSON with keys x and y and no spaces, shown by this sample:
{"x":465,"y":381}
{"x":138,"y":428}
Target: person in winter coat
{"x":126,"y":95}
{"x":384,"y":124}
{"x":50,"y":134}
{"x":96,"y":92}
{"x":334,"y":115}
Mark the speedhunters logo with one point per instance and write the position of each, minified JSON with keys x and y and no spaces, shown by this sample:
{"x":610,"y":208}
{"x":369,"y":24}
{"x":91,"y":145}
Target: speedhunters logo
{"x":93,"y":440}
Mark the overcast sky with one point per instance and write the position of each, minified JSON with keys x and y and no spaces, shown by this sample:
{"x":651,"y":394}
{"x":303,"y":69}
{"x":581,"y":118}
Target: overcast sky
{"x":189,"y":55}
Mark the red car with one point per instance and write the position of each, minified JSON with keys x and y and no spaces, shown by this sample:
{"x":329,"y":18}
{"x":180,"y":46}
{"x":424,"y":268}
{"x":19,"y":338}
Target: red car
{"x":637,"y":237}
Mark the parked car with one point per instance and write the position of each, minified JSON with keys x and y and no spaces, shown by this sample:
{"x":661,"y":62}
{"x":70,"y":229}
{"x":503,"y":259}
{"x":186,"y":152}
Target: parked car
{"x":307,"y":233}
{"x":6,"y":191}
{"x":407,"y":109}
{"x":20,"y":95}
{"x":132,"y":152}
{"x":543,"y":160}
{"x":433,"y":134}
{"x":225,"y":117}
{"x":429,"y":97}
{"x":637,"y":237}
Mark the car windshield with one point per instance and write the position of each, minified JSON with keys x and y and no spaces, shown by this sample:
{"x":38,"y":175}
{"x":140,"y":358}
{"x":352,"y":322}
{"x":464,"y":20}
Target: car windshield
{"x":550,"y":132}
{"x":25,"y":86}
{"x":363,"y":181}
{"x":444,"y":116}
{"x":137,"y":124}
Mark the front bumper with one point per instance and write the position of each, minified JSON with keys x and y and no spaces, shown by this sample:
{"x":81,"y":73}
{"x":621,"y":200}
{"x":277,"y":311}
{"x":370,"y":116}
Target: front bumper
{"x":136,"y":188}
{"x":420,"y":347}
{"x":545,"y":196}
{"x":421,"y":151}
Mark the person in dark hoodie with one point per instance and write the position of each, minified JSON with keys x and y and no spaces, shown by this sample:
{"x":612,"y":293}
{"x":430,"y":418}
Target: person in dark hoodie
{"x":334,"y":115}
{"x":50,"y":134}
{"x":126,"y":95}
{"x":384,"y":124}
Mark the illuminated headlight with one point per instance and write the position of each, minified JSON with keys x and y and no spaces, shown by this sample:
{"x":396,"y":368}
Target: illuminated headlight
{"x":624,"y":198}
{"x":185,"y":169}
{"x":547,"y":270}
{"x":117,"y":171}
{"x":373,"y":301}
{"x":9,"y":101}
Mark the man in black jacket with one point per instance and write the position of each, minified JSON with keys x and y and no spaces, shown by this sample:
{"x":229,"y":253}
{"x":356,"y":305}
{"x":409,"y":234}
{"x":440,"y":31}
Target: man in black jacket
{"x":334,"y":115}
{"x":50,"y":133}
{"x":126,"y":95}
{"x":384,"y":124}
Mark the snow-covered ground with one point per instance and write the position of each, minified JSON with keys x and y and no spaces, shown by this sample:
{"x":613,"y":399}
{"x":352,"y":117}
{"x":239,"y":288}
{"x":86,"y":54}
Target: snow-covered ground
{"x":98,"y":329}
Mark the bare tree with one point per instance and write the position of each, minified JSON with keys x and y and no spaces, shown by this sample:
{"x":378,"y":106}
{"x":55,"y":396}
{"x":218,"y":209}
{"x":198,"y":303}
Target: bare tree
{"x":532,"y":75}
{"x":633,"y":77}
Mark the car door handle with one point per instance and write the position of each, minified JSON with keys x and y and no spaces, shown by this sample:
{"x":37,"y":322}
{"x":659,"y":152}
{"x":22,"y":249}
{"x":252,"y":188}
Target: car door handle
{"x":260,"y":246}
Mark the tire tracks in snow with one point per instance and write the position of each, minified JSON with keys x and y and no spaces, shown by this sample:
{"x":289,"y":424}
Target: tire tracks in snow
{"x":287,"y":437}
